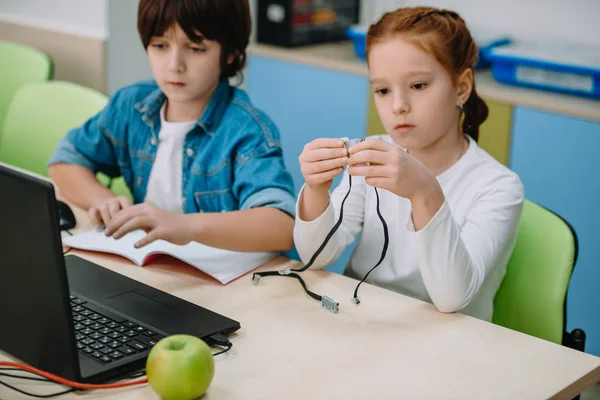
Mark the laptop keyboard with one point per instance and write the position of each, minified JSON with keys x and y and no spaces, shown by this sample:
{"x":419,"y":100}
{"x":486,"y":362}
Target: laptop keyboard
{"x":105,"y":339}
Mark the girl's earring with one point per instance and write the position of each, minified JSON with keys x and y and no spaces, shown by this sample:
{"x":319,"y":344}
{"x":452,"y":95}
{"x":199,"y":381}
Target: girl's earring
{"x":462,"y":103}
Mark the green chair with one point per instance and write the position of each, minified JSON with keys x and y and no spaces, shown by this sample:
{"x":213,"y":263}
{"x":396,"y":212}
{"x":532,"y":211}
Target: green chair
{"x":39,"y":116}
{"x":20,"y":64}
{"x":532,"y":296}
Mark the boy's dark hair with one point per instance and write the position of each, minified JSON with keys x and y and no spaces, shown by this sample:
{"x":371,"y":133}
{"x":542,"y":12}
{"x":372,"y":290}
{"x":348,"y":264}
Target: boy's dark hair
{"x":225,"y":21}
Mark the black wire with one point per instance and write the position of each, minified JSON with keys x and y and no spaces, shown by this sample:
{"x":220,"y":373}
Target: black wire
{"x":14,"y":369}
{"x":135,"y":375}
{"x":292,"y":275}
{"x":27,"y":378}
{"x":70,"y":248}
{"x":331,"y":232}
{"x":43,"y":379}
{"x":229,"y":346}
{"x":386,"y":242}
{"x":39,"y":396}
{"x":316,"y":254}
{"x":322,"y":247}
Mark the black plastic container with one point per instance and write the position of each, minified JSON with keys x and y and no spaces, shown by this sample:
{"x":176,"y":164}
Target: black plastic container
{"x":290,"y":23}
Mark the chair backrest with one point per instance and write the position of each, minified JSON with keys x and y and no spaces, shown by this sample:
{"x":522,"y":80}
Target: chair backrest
{"x":532,"y":296}
{"x":20,"y":64}
{"x":39,"y":116}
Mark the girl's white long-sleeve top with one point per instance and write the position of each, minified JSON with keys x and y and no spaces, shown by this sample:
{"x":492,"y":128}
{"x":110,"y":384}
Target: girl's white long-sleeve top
{"x":457,"y":261}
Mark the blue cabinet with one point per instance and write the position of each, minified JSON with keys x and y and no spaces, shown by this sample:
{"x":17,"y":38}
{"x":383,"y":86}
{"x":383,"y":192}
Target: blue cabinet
{"x":307,"y":103}
{"x":557,"y":159}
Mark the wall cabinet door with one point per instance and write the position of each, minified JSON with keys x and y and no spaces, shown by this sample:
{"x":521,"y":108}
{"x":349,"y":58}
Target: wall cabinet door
{"x":307,"y":103}
{"x":557,"y":159}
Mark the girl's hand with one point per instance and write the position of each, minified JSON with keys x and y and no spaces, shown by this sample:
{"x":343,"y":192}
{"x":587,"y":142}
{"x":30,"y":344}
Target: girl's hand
{"x":321,"y":161}
{"x":391,"y":168}
{"x":157,"y":223}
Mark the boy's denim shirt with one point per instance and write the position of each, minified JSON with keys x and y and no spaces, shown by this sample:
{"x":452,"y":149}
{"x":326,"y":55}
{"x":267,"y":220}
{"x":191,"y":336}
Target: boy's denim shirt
{"x":232,"y":159}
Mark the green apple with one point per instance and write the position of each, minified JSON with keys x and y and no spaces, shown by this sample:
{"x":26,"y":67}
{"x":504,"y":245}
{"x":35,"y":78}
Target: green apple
{"x":180,"y":367}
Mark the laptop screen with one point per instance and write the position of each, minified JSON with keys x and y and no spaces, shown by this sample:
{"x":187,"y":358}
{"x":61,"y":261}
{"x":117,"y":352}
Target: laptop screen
{"x":34,"y":296}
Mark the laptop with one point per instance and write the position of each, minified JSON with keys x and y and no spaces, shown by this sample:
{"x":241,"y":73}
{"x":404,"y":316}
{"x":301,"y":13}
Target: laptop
{"x":69,"y":316}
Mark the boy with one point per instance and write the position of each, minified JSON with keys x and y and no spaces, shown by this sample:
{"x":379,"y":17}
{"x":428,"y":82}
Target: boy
{"x":201,"y":162}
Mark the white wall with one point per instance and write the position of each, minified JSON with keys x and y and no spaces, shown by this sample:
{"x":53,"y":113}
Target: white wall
{"x":568,"y":20}
{"x":115,"y":20}
{"x":126,"y":58}
{"x":575,"y":21}
{"x":82,"y":17}
{"x":372,"y":10}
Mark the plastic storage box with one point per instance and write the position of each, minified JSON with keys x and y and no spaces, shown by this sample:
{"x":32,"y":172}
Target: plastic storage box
{"x":562,"y":68}
{"x":485,"y":42}
{"x":358,"y":35}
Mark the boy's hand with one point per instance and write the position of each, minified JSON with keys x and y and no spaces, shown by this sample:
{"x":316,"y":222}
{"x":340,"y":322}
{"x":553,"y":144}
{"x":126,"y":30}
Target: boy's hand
{"x":103,"y":211}
{"x":321,"y":161}
{"x":157,"y":223}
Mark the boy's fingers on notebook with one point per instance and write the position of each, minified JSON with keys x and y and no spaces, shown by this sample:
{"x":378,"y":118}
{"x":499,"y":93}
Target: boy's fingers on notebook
{"x":114,"y":206}
{"x":122,"y":217}
{"x":105,"y":214}
{"x":133,"y":224}
{"x":125,"y":201}
{"x":95,"y":219}
{"x":149,"y":238}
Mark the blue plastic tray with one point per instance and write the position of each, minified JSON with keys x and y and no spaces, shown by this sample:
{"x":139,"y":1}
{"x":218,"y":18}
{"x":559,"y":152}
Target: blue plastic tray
{"x":358,"y":35}
{"x":485,"y":41}
{"x":562,"y":68}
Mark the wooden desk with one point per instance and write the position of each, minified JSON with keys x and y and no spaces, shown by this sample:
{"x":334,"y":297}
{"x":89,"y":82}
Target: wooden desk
{"x":388,"y":347}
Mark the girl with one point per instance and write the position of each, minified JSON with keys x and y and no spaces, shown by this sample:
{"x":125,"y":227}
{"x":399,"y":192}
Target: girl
{"x":452,"y":210}
{"x":202,"y":163}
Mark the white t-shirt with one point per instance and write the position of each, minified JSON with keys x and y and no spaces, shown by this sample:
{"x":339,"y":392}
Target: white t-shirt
{"x":165,"y":183}
{"x":457,"y":261}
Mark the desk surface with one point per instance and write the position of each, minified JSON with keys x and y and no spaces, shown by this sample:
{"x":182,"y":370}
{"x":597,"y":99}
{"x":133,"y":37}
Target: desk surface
{"x":341,"y":57}
{"x":388,"y":347}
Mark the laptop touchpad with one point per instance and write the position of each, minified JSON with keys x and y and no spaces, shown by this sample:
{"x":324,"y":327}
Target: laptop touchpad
{"x":141,"y":307}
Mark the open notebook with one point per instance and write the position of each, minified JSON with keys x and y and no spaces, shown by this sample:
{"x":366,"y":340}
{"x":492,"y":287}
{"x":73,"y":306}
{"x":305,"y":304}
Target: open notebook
{"x":223,"y":265}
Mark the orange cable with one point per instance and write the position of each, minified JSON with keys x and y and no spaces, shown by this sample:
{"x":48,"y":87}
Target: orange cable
{"x":72,"y":384}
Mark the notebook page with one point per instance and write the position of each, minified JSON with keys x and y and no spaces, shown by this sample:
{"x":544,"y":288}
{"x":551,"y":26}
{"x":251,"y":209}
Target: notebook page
{"x":222,"y":265}
{"x":97,"y":241}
